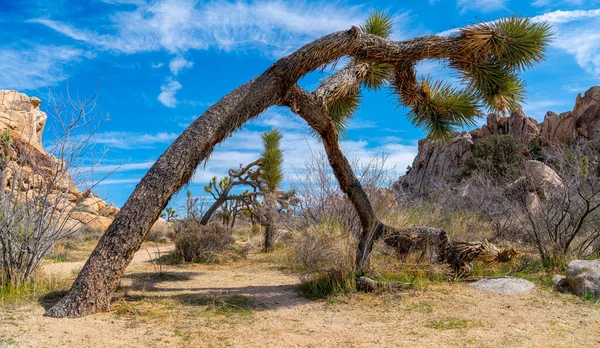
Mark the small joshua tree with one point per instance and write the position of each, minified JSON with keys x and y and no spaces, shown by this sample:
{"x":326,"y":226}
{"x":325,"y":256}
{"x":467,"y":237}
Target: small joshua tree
{"x":271,"y":172}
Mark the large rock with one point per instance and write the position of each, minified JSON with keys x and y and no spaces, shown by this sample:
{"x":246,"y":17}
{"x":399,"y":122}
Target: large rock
{"x":582,"y":122}
{"x":583,"y":277}
{"x":435,"y":164}
{"x":441,"y":163}
{"x":542,"y":179}
{"x":31,"y":167}
{"x":504,"y":285}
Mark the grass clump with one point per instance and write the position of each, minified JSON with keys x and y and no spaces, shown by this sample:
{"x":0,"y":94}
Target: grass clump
{"x":33,"y":289}
{"x":327,"y":284}
{"x":451,"y":324}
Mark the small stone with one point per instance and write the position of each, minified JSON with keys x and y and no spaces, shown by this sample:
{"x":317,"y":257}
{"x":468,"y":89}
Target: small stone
{"x":560,"y":282}
{"x":504,"y":285}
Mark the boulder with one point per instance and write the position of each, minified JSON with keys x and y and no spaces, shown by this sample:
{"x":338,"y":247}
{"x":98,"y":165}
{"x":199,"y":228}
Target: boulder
{"x":542,"y":179}
{"x":436,"y":163}
{"x":583,"y":277}
{"x":504,"y":285}
{"x":560,"y":282}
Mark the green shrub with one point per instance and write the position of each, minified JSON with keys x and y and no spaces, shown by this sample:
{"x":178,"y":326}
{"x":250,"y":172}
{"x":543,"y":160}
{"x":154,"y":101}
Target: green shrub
{"x":498,"y":156}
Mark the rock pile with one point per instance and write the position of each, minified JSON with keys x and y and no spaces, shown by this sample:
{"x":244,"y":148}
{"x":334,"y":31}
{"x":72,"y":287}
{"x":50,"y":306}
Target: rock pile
{"x":437,"y":163}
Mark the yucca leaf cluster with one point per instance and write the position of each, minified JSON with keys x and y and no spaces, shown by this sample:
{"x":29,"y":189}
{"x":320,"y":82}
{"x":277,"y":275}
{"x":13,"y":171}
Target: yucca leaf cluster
{"x":272,"y":160}
{"x":488,"y":57}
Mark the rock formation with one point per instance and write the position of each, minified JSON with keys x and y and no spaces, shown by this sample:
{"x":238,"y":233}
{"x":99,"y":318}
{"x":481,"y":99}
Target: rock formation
{"x":29,"y":167}
{"x":441,"y":163}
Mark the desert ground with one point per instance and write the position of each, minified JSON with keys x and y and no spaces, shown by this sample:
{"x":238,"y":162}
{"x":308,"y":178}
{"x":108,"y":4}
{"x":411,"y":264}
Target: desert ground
{"x":254,"y":303}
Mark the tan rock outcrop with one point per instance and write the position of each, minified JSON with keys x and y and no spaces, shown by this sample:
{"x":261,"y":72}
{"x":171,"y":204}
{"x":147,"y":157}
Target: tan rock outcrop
{"x":30,"y":167}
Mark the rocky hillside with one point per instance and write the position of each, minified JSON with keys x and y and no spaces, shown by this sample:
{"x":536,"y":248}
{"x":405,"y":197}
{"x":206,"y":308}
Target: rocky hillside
{"x":442,"y":162}
{"x":29,"y":166}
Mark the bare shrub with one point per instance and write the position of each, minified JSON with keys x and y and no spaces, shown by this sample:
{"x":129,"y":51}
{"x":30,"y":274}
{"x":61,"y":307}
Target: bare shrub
{"x":322,"y":242}
{"x":320,"y":200}
{"x":37,"y":200}
{"x":201,"y":243}
{"x":566,"y":221}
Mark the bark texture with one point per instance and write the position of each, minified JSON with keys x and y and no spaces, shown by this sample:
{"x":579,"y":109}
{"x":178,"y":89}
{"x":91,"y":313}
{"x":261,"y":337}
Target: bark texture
{"x":93,"y":288}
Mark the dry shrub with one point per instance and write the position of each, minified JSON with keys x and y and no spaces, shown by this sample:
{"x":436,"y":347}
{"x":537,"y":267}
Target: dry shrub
{"x":201,"y":243}
{"x":159,"y":233}
{"x":324,"y":254}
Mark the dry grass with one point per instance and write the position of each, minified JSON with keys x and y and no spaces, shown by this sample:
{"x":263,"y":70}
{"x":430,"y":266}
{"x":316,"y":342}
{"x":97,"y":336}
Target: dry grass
{"x":460,"y":225}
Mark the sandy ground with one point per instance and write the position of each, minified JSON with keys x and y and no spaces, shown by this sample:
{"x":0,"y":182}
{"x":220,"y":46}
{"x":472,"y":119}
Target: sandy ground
{"x":172,"y":310}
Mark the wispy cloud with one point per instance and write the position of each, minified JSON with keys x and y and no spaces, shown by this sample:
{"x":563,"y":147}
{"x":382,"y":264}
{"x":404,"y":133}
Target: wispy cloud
{"x":274,"y":27}
{"x":127,"y":140}
{"x":577,"y":33}
{"x":31,"y":67}
{"x":167,"y":94}
{"x":481,"y":5}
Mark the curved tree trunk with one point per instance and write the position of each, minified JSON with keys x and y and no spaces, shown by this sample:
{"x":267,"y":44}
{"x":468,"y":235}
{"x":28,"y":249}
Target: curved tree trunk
{"x":93,"y":288}
{"x":213,"y":208}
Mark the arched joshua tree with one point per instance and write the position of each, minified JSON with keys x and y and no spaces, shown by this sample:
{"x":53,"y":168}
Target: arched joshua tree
{"x":489,"y":57}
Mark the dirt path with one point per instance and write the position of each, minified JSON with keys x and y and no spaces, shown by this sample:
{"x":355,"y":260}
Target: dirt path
{"x":253,"y":304}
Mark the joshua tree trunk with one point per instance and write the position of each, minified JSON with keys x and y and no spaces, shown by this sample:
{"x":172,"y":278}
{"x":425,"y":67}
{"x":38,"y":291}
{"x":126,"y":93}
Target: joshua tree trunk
{"x":270,"y":207}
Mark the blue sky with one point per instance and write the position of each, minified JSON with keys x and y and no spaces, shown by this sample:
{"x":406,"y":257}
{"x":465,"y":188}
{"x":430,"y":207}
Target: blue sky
{"x":160,"y":64}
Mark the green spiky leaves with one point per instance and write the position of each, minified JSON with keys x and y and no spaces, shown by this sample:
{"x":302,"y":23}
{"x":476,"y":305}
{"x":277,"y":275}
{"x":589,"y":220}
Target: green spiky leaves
{"x":379,"y":23}
{"x":272,"y":156}
{"x":490,"y":56}
{"x":340,"y":111}
{"x":442,"y":108}
{"x":499,"y":88}
{"x":517,"y":42}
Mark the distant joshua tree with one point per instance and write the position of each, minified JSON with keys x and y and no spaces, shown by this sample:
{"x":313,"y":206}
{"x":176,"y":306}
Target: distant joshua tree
{"x":488,"y":56}
{"x":263,"y":176}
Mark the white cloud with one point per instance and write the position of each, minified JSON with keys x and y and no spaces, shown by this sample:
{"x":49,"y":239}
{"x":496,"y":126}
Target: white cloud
{"x":274,"y":119}
{"x":118,"y":181}
{"x":178,"y":64}
{"x":167,"y":94}
{"x":480,"y":5}
{"x":128,"y":140}
{"x":543,"y":3}
{"x":273,"y":27}
{"x":576,"y":32}
{"x":32,"y":67}
{"x":157,"y":65}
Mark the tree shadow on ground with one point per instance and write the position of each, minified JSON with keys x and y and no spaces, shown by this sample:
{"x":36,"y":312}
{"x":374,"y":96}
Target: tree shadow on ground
{"x":172,"y":286}
{"x":51,"y":298}
{"x":148,"y":281}
{"x":263,"y":297}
